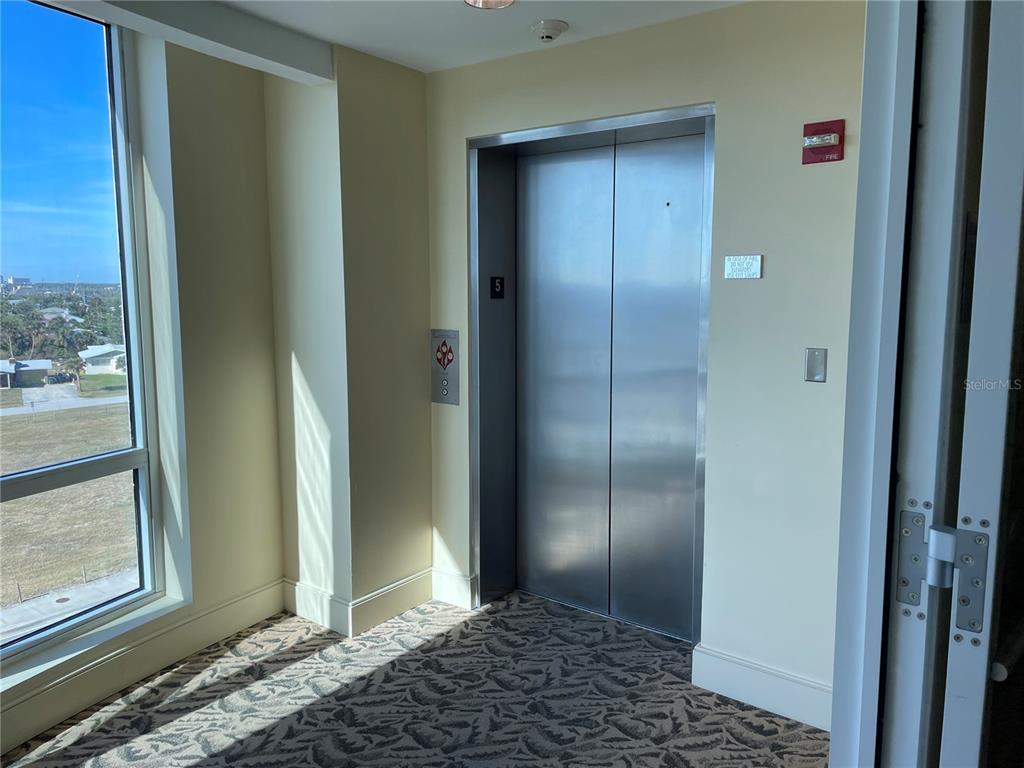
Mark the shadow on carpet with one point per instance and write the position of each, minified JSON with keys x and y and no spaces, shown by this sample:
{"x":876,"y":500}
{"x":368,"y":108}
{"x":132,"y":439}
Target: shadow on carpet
{"x":523,"y":681}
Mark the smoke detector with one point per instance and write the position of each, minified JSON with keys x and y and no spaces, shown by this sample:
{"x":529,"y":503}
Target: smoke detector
{"x":548,"y":30}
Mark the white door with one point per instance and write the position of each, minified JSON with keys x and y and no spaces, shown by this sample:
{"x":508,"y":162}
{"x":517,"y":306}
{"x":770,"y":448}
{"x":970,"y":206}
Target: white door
{"x":958,"y":392}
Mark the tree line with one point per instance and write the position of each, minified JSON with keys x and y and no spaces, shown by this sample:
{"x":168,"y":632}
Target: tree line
{"x":94,"y":317}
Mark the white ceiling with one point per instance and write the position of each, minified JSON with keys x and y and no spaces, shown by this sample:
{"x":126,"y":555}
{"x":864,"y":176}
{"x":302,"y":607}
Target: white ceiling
{"x":439,"y":34}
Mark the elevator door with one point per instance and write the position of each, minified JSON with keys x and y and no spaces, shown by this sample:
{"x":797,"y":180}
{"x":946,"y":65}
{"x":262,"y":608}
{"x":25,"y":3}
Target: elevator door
{"x":608,"y":323}
{"x":655,"y":333}
{"x":563,"y":351}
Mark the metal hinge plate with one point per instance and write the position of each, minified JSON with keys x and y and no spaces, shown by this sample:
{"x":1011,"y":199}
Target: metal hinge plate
{"x":912,"y":566}
{"x":972,"y":564}
{"x":969,"y":559}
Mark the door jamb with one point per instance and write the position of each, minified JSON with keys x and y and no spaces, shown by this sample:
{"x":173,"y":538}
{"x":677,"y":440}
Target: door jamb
{"x":890,"y":56}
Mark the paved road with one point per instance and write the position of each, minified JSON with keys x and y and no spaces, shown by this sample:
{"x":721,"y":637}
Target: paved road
{"x":21,"y":618}
{"x":35,"y":395}
{"x":63,"y":404}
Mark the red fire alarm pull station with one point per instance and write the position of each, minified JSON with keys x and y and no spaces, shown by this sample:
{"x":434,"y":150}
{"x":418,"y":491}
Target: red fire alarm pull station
{"x":823,"y":142}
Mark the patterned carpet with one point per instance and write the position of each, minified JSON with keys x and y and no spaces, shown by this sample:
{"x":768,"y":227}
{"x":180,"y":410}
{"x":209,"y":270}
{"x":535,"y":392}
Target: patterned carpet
{"x":522,"y":682}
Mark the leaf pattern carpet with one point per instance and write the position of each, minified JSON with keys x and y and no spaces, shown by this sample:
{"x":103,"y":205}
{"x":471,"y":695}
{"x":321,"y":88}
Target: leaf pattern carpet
{"x":524,"y":681}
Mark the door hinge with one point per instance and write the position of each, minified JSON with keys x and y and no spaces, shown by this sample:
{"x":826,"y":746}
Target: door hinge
{"x":941,"y":555}
{"x":934,"y":559}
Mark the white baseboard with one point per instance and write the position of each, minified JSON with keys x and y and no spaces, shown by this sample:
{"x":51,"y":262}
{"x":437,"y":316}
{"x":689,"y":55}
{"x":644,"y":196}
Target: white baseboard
{"x":351,"y":617}
{"x":452,"y":588}
{"x":100,"y":676}
{"x":319,"y":606}
{"x":377,"y":607}
{"x":799,"y":698}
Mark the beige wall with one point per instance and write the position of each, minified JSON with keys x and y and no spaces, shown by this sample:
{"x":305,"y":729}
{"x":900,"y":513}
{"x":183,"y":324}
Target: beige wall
{"x":348,"y":212}
{"x":220,"y":204}
{"x":773,"y":442}
{"x":303,"y":170}
{"x":217,"y":149}
{"x":387,"y":302}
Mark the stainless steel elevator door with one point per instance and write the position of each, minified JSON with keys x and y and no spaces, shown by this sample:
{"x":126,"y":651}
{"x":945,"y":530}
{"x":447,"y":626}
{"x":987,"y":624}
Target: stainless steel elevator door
{"x":655,"y":346}
{"x":564,"y":273}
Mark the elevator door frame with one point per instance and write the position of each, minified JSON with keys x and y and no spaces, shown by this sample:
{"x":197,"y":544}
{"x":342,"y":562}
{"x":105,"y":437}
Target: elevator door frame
{"x":492,"y":327}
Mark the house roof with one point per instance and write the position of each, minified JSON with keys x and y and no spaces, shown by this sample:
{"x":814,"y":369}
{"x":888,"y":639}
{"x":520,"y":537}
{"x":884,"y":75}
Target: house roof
{"x":7,"y":366}
{"x":49,"y":313}
{"x":98,"y":350}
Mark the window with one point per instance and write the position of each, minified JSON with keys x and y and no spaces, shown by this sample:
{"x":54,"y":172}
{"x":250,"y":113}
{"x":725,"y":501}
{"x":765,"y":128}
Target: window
{"x":75,"y":513}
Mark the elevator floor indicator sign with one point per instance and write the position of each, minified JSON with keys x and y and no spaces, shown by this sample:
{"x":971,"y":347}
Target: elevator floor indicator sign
{"x":444,"y":366}
{"x":445,"y":354}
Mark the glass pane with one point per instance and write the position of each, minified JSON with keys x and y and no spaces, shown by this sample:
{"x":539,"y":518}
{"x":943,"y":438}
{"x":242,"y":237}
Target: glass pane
{"x":63,"y":362}
{"x":66,"y":551}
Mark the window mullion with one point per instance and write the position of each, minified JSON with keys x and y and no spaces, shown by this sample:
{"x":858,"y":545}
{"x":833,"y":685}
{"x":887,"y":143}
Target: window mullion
{"x":33,"y":481}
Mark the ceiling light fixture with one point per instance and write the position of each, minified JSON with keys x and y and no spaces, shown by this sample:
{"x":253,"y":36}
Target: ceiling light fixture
{"x":489,"y":5}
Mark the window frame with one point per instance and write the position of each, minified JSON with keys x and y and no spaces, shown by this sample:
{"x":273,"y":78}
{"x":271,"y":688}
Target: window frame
{"x":141,"y":456}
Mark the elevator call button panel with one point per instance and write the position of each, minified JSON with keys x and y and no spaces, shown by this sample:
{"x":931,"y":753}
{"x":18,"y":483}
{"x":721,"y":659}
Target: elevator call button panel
{"x":444,"y":366}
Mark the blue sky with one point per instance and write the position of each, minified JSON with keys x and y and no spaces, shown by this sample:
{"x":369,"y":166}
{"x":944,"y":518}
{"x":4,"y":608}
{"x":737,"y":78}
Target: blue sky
{"x":58,"y":220}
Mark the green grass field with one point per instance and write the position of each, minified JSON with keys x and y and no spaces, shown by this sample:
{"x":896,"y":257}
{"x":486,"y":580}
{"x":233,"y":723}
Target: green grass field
{"x":104,"y":385}
{"x":46,"y":540}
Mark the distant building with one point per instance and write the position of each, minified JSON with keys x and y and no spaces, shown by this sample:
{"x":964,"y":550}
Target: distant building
{"x":24,"y":373}
{"x":103,"y":358}
{"x":51,"y":313}
{"x":18,"y":282}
